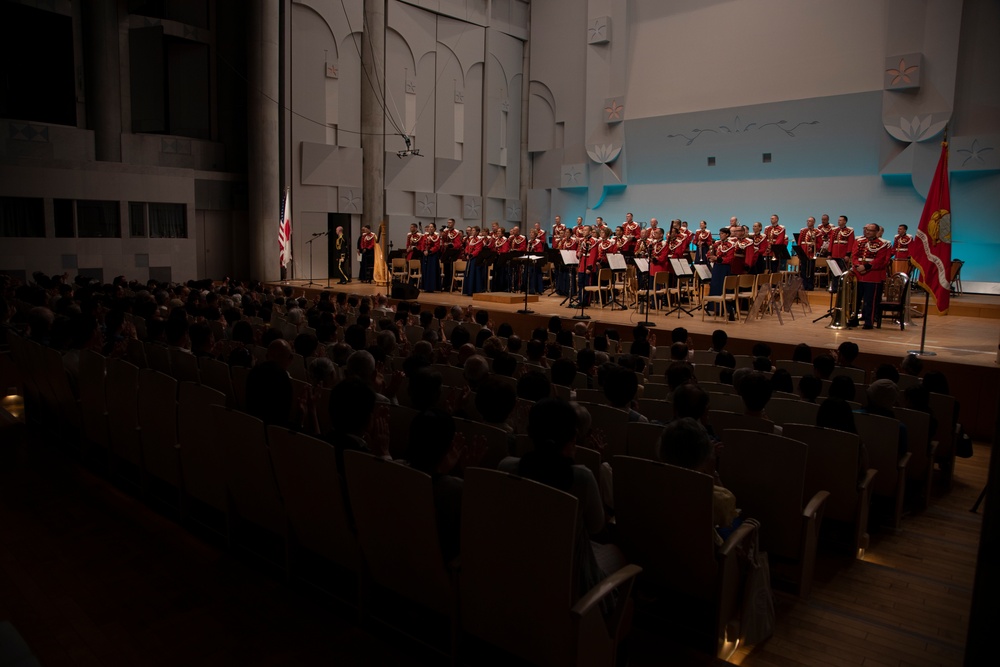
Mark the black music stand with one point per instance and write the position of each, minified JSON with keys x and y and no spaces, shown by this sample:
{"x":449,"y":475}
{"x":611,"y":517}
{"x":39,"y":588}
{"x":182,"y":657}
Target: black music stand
{"x":616,"y":261}
{"x":681,"y":270}
{"x":836,"y":271}
{"x":569,"y":260}
{"x":529,"y":260}
{"x":639,"y":261}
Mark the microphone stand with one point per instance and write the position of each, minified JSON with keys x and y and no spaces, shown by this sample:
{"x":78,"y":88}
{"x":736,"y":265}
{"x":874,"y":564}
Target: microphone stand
{"x":309,"y":243}
{"x":649,"y":284}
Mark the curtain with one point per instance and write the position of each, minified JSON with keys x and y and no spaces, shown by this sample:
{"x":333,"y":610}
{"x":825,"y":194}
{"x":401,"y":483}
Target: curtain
{"x":168,"y":221}
{"x":22,"y":216}
{"x":98,"y":219}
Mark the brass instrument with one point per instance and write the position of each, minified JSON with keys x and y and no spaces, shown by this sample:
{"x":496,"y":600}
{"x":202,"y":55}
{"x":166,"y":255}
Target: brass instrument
{"x":847,"y":301}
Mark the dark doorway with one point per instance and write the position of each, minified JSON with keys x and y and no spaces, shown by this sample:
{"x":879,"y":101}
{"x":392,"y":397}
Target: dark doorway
{"x":334,"y":220}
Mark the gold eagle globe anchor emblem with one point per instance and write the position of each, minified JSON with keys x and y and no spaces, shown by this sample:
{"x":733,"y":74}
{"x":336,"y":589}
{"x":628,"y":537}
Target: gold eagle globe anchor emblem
{"x":939,"y":227}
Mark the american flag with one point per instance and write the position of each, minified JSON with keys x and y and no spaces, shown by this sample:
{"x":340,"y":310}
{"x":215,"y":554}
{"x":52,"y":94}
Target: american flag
{"x":285,"y":230}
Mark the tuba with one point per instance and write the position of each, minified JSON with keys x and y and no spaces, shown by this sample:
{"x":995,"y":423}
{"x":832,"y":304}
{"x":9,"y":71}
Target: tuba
{"x":847,"y":301}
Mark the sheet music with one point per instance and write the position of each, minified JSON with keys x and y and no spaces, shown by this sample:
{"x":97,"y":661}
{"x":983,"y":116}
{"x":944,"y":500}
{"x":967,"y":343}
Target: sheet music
{"x":681,"y":267}
{"x":703,"y":271}
{"x":642,"y":264}
{"x":835,"y":269}
{"x":569,"y":257}
{"x":616,"y":261}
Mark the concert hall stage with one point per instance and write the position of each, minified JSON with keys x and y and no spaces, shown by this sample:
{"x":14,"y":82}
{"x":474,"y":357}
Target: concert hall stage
{"x":966,"y":342}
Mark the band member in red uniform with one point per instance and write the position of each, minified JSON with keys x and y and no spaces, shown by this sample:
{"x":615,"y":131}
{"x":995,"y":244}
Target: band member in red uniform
{"x":558,"y":229}
{"x":366,"y":246}
{"x":451,"y":240}
{"x":631,"y":227}
{"x":475,"y":278}
{"x":537,"y":229}
{"x":733,"y":224}
{"x":722,"y":258}
{"x":901,"y":250}
{"x":825,"y":230}
{"x":587,"y":252}
{"x":580,"y":230}
{"x":702,"y":242}
{"x":809,"y":241}
{"x":606,"y":245}
{"x":659,"y":254}
{"x":841,"y":246}
{"x":743,"y":253}
{"x":518,"y":241}
{"x":870,"y":260}
{"x":777,"y":242}
{"x":758,"y":251}
{"x":501,"y":268}
{"x":599,"y":224}
{"x":412,"y":240}
{"x":625,"y":242}
{"x":567,"y":275}
{"x":430,"y":269}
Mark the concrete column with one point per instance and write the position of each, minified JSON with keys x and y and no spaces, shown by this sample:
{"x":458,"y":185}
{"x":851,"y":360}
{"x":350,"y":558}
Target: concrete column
{"x":103,"y":77}
{"x":372,"y":115}
{"x":263,"y":26}
{"x":525,"y":156}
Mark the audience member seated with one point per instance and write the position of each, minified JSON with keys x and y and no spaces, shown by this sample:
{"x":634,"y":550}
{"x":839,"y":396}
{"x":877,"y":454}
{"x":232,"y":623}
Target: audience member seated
{"x":823,"y":365}
{"x":781,"y":380}
{"x":269,"y":393}
{"x":641,"y":345}
{"x":887,"y":372}
{"x":802,"y":353}
{"x":719,"y":341}
{"x":842,"y":387}
{"x":809,"y":388}
{"x":679,"y":373}
{"x":685,"y":443}
{"x":725,"y":360}
{"x":847,"y":354}
{"x":755,"y":390}
{"x":424,"y":389}
{"x":552,"y":427}
{"x":435,"y":450}
{"x":911,"y":365}
{"x":495,"y":402}
{"x":533,"y":386}
{"x":620,"y":386}
{"x":563,"y":372}
{"x":475,"y":371}
{"x":692,"y":402}
{"x":883,"y":396}
{"x":836,"y":414}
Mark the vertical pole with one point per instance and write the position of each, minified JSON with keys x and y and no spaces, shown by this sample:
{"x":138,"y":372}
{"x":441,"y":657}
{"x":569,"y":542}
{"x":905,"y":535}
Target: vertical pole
{"x":372,"y":115}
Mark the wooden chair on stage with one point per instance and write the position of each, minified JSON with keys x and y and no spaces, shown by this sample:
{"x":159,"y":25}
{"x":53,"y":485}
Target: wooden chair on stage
{"x":893,"y":300}
{"x":729,"y":288}
{"x":458,"y":271}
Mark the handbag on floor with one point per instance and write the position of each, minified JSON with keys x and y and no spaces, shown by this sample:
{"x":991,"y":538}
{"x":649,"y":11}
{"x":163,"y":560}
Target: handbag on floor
{"x":757,"y":617}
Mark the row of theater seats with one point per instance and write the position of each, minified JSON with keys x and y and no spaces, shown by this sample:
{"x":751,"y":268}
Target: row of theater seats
{"x":182,"y":433}
{"x":512,"y":589}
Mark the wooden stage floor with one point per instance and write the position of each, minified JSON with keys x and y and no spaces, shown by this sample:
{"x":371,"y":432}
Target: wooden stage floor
{"x":968,"y":335}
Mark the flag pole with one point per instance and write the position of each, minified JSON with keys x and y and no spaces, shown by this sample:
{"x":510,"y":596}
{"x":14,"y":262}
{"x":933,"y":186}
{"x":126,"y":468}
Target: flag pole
{"x":923,"y":329}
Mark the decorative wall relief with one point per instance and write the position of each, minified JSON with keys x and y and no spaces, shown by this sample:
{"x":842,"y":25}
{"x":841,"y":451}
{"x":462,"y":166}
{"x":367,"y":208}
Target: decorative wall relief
{"x":425,"y":205}
{"x":512,"y":210}
{"x":903,"y":72}
{"x":740,"y":126}
{"x":599,"y":30}
{"x":350,"y":201}
{"x":471,"y":208}
{"x":573,"y":176}
{"x":614,"y":110}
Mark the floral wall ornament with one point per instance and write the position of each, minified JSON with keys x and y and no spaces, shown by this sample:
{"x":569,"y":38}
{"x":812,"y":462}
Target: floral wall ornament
{"x":973,"y":153}
{"x":604,"y":153}
{"x":917,"y":128}
{"x":573,"y":176}
{"x":350,"y":202}
{"x":599,"y":30}
{"x":471,"y":207}
{"x":513,"y":210}
{"x":425,"y":206}
{"x":903,"y":72}
{"x":614,"y":111}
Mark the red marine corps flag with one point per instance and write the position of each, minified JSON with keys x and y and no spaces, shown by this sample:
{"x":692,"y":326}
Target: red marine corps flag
{"x":932,"y":250}
{"x":285,"y":230}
